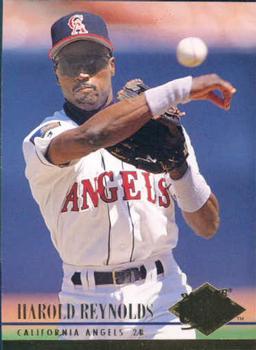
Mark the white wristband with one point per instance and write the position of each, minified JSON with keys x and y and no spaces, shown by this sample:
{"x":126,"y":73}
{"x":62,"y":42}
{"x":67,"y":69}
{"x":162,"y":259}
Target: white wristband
{"x":191,"y":191}
{"x":162,"y":97}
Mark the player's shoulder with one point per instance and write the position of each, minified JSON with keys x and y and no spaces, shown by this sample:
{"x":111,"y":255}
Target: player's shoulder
{"x":58,"y":119}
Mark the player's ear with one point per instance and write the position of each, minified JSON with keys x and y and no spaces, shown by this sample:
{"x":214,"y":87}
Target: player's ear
{"x":57,"y":78}
{"x":55,"y":65}
{"x":112,"y":66}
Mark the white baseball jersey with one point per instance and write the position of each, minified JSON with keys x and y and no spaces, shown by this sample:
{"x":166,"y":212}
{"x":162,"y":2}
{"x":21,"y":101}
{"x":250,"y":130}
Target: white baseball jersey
{"x":98,"y":209}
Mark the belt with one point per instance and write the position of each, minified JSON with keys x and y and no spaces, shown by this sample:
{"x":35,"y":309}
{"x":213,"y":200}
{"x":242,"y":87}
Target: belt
{"x":119,"y":277}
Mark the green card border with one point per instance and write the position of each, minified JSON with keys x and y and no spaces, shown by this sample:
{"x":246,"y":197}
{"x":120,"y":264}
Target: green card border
{"x":132,"y":345}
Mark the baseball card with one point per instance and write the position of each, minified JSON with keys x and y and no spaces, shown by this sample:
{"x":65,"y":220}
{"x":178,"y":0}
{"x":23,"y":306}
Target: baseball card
{"x":128,"y":175}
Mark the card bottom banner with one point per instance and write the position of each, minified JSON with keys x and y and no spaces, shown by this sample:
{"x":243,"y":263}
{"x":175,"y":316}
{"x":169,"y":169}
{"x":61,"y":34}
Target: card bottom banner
{"x":23,"y":329}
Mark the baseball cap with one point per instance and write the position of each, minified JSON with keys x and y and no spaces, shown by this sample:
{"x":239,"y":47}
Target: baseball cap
{"x":78,"y":26}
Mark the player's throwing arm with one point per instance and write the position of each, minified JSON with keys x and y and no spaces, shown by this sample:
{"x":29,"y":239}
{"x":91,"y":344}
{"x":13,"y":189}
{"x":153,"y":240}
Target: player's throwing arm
{"x":183,"y":90}
{"x":121,"y":120}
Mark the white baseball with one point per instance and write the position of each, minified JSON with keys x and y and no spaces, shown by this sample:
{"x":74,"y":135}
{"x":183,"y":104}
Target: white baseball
{"x":191,"y":51}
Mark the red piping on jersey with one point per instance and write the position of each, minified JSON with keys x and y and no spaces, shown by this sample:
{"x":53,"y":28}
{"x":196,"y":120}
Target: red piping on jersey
{"x":89,"y":35}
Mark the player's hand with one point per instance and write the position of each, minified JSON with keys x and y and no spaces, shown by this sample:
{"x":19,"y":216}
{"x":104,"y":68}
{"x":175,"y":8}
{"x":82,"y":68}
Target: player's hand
{"x":204,"y":87}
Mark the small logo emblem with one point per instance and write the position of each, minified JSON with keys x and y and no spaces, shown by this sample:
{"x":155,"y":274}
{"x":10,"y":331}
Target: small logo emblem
{"x":76,"y":24}
{"x":206,"y":308}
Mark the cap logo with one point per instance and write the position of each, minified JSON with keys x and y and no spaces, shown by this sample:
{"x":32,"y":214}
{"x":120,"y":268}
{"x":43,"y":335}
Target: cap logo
{"x":76,"y":24}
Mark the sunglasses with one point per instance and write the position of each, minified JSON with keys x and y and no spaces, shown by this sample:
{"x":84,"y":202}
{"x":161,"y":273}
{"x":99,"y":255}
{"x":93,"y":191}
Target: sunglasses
{"x":73,"y":65}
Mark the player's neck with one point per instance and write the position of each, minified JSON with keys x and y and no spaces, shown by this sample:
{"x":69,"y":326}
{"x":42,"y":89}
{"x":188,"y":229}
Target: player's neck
{"x":79,"y":115}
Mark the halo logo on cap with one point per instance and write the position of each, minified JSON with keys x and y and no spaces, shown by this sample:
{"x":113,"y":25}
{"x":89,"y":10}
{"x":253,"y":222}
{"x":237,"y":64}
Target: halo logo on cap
{"x":76,"y":24}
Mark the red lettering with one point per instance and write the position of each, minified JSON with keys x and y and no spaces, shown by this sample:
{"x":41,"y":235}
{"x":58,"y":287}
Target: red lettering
{"x":164,"y":191}
{"x":103,"y":190}
{"x":88,"y":189}
{"x":100,"y":190}
{"x":73,"y":198}
{"x":129,"y":186}
{"x":149,"y":188}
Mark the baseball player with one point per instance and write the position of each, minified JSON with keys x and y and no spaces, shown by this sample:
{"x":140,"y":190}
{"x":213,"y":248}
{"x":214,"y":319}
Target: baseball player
{"x":112,"y":223}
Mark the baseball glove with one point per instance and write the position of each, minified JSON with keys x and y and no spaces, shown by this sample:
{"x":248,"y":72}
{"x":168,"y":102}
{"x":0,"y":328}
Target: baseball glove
{"x":159,"y":146}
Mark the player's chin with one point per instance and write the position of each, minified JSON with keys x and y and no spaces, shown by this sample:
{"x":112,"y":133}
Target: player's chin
{"x":88,"y":103}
